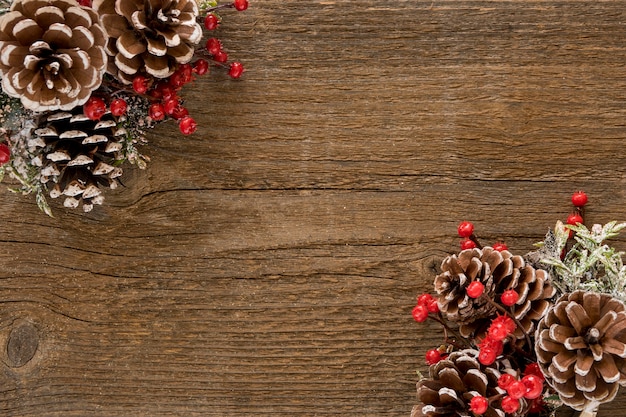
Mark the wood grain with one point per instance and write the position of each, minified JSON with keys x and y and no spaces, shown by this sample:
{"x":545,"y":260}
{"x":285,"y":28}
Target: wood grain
{"x":267,"y":265}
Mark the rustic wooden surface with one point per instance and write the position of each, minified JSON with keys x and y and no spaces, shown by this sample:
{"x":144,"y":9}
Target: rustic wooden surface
{"x":267,"y":265}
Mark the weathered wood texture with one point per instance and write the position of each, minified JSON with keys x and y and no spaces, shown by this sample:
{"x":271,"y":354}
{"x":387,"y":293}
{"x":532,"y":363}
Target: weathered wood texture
{"x":267,"y":265}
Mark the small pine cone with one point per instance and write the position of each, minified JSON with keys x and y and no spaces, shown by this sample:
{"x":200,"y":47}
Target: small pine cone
{"x":52,"y":53}
{"x":452,"y":384}
{"x":458,"y":271}
{"x":78,"y":155}
{"x":151,"y":36}
{"x":581,"y":348}
{"x":499,"y":271}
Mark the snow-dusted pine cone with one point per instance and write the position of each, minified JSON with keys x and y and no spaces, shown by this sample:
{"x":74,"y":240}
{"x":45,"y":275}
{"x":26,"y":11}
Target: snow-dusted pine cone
{"x":78,"y":156}
{"x":452,"y":384}
{"x":52,"y":53}
{"x":498,"y":271}
{"x":151,"y":36}
{"x":581,"y":348}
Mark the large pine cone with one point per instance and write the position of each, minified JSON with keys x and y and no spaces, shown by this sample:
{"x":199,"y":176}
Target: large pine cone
{"x":78,"y":155}
{"x":52,"y":53}
{"x":151,"y":36}
{"x":581,"y":348}
{"x":453,"y":383}
{"x":498,"y":271}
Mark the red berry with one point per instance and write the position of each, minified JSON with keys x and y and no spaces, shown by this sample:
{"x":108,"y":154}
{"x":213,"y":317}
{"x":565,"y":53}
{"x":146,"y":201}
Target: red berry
{"x":433,"y":307}
{"x":170,"y":105}
{"x":479,"y":404}
{"x":86,"y":3}
{"x":213,"y":45}
{"x":5,"y":153}
{"x":510,"y":405}
{"x":516,"y":390}
{"x":221,"y":56}
{"x":475,"y":289}
{"x":467,"y":243}
{"x":497,"y":332}
{"x":433,"y":356}
{"x":574,"y":219}
{"x":187,"y":125}
{"x":424,"y":299}
{"x":505,"y":380}
{"x":534,"y":386}
{"x":465,"y":229}
{"x":509,"y":297}
{"x":505,"y":321}
{"x":500,"y":246}
{"x":488,"y":343}
{"x":240,"y":5}
{"x":118,"y":107}
{"x":235,"y":70}
{"x":579,"y":198}
{"x":180,"y":112}
{"x":420,"y":313}
{"x":487,"y":356}
{"x":211,"y":21}
{"x":534,"y":369}
{"x":94,"y":108}
{"x":140,"y":84}
{"x":201,"y":66}
{"x":156,"y":111}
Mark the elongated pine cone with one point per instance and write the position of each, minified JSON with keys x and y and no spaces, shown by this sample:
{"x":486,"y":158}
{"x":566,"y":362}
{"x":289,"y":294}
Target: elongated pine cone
{"x":581,"y":348}
{"x":51,"y":53}
{"x":498,"y":271}
{"x":78,"y":156}
{"x":452,"y":384}
{"x":151,"y":36}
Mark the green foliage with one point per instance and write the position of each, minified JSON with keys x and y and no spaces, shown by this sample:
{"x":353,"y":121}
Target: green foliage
{"x":590,"y":264}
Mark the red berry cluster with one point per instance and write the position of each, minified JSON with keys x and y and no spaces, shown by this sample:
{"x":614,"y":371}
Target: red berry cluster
{"x":163,"y":94}
{"x":492,"y":345}
{"x":529,"y":387}
{"x":426,"y":304}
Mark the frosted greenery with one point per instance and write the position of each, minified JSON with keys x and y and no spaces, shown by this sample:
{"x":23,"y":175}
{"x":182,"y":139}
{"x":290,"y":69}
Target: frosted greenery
{"x":589,"y":264}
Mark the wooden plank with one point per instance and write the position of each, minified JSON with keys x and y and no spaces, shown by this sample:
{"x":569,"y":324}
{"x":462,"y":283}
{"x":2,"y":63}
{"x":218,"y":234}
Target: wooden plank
{"x":267,"y":265}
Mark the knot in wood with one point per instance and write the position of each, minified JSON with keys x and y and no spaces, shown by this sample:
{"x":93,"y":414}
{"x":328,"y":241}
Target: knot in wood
{"x":22,"y":344}
{"x":592,"y":336}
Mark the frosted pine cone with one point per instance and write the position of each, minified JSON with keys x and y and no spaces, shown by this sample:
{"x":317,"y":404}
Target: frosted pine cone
{"x":453,"y":383}
{"x":458,"y":272}
{"x":581,"y":348}
{"x":152,"y":36}
{"x":499,"y":271}
{"x":52,"y":53}
{"x":78,"y":156}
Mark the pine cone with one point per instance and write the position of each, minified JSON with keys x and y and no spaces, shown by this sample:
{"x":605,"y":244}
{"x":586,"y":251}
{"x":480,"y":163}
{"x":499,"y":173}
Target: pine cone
{"x":52,"y":53}
{"x":453,"y":383}
{"x":151,"y":36}
{"x":458,"y":271}
{"x":78,"y":155}
{"x":581,"y":346}
{"x":498,"y":272}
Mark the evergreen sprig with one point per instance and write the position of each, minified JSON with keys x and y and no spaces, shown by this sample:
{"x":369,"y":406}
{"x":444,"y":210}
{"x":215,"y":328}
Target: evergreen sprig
{"x":590,"y":264}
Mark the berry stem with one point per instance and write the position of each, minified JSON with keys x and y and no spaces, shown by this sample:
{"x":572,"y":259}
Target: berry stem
{"x":447,"y":329}
{"x":474,"y":239}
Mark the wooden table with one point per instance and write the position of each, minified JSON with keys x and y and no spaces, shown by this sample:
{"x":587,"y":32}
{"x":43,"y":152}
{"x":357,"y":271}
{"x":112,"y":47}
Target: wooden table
{"x":267,"y":265}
